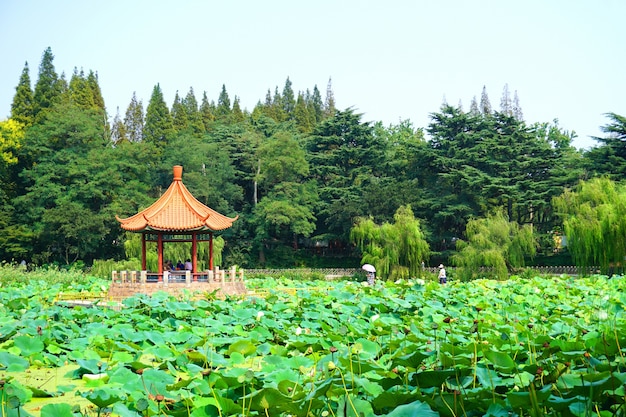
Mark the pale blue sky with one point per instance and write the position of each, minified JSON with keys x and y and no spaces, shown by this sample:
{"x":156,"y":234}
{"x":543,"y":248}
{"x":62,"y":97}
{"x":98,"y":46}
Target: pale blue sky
{"x":389,"y":60}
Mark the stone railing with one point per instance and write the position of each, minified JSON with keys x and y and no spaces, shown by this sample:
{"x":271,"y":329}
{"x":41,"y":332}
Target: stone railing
{"x":143,"y":277}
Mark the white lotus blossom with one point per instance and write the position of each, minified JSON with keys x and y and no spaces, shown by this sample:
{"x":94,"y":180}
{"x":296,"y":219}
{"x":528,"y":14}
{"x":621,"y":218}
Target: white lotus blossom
{"x":259,"y":315}
{"x":375,"y":317}
{"x":298,"y":331}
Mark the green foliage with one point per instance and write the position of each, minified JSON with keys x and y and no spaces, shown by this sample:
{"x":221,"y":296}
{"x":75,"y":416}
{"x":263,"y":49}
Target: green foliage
{"x":22,"y":105}
{"x":494,"y":245}
{"x":396,"y":250}
{"x":302,"y":347}
{"x":594,"y":221}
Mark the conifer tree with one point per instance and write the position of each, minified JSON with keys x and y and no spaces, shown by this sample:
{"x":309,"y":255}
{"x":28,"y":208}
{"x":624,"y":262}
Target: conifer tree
{"x":207,"y":112}
{"x":179,"y":114}
{"x":118,"y":129}
{"x":304,"y":119}
{"x":485,"y":105}
{"x":289,"y":100}
{"x":237,"y":113}
{"x":158,"y":126}
{"x":92,"y":80}
{"x":193,"y":114}
{"x":80,"y":93}
{"x":506,"y":106}
{"x":134,"y":120}
{"x":22,"y":106}
{"x":318,"y":105}
{"x":223,"y":105}
{"x":474,"y":110}
{"x":47,"y":89}
{"x":517,"y":109}
{"x":329,"y":104}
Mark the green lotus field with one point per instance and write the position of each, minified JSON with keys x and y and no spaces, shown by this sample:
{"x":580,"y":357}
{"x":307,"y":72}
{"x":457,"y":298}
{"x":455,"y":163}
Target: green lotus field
{"x":544,"y":346}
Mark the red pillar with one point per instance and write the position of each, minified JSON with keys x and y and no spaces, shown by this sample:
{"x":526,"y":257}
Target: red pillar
{"x":211,"y":251}
{"x":160,"y":252}
{"x":194,"y":255}
{"x":143,"y":252}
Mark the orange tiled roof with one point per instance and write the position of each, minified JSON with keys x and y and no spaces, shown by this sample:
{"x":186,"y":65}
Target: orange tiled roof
{"x":177,"y":210}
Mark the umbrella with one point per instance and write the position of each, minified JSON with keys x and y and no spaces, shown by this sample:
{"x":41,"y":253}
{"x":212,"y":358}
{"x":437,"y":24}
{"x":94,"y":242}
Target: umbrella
{"x":369,"y":268}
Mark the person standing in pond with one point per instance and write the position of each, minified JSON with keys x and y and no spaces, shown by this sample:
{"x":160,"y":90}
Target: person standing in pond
{"x":442,"y":274}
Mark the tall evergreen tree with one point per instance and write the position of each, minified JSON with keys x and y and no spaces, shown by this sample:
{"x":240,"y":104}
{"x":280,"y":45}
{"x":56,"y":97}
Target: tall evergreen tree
{"x":303,"y":117}
{"x":237,"y":113}
{"x":329,"y":104}
{"x":207,"y":112}
{"x":118,"y":129}
{"x":179,"y":114}
{"x":158,"y":127}
{"x":80,"y":93}
{"x":485,"y":105}
{"x":506,"y":106}
{"x":22,"y":106}
{"x":94,"y":85}
{"x":517,"y":108}
{"x":47,"y":89}
{"x":317,"y":104}
{"x":223,"y":110}
{"x":193,"y":113}
{"x":474,"y":110}
{"x":289,"y":99}
{"x":134,"y":120}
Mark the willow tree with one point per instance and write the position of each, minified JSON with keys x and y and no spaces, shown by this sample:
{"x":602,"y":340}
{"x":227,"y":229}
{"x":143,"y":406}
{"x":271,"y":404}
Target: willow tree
{"x":496,"y":243}
{"x":594,"y":222}
{"x":396,"y":250}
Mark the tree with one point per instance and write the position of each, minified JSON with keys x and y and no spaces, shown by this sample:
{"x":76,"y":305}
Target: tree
{"x":344,"y":155}
{"x":493,"y":242}
{"x":159,"y":126}
{"x":506,"y":106}
{"x":485,"y":105}
{"x":207,"y":112}
{"x":289,"y":100}
{"x":47,"y":89}
{"x":118,"y":129}
{"x":134,"y":119}
{"x":179,"y":114}
{"x":303,"y":118}
{"x":397,"y":249}
{"x":22,"y":106}
{"x":317,"y":105}
{"x":80,"y":92}
{"x":237,"y":113}
{"x":517,"y":108}
{"x":223,"y":110}
{"x":609,"y":159}
{"x":329,"y":104}
{"x":594,"y":222}
{"x":193,"y":114}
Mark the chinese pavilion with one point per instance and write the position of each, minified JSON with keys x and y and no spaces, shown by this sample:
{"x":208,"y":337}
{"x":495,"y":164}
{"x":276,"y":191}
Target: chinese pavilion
{"x":177,"y":216}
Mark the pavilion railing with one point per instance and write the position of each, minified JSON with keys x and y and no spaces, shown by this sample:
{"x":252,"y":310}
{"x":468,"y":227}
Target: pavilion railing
{"x":166,"y":277}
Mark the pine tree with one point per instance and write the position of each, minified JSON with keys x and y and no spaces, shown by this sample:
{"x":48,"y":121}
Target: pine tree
{"x":289,"y":100}
{"x":506,"y":106}
{"x":80,"y":93}
{"x":118,"y":129}
{"x":207,"y":112}
{"x":517,"y":109}
{"x":47,"y":89}
{"x":92,"y":80}
{"x":485,"y":105}
{"x":158,"y":126}
{"x":22,"y":106}
{"x":223,"y":105}
{"x":304,"y":119}
{"x":329,"y":104}
{"x":237,"y":113}
{"x":474,"y":110}
{"x":193,"y":114}
{"x":179,"y":114}
{"x":318,"y":105}
{"x":134,"y":119}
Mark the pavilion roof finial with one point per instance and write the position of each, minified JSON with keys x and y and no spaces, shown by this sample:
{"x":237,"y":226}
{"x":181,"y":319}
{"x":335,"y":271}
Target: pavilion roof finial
{"x":178,"y":173}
